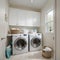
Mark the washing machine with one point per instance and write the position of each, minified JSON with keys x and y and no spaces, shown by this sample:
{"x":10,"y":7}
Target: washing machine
{"x":35,"y":42}
{"x":20,"y":43}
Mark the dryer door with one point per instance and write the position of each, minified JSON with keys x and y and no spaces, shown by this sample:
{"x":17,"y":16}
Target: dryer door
{"x":35,"y":42}
{"x":20,"y":44}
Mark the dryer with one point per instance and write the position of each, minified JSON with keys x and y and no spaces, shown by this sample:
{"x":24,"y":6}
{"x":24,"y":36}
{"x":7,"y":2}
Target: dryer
{"x":35,"y":42}
{"x":19,"y":43}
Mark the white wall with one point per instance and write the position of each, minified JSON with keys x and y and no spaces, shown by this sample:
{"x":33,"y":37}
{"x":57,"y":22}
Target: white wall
{"x":47,"y":37}
{"x":57,"y":29}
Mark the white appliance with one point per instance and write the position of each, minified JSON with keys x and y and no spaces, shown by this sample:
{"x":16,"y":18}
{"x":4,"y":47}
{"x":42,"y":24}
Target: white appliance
{"x":35,"y":42}
{"x":20,"y":43}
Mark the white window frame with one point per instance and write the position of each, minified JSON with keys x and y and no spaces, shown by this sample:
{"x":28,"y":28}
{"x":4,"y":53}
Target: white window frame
{"x":46,"y":23}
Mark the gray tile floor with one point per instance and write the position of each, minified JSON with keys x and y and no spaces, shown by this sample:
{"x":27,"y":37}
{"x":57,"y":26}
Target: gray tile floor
{"x":29,"y":56}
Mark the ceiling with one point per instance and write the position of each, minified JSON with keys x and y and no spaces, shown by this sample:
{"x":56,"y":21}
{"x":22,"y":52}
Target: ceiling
{"x":34,"y":4}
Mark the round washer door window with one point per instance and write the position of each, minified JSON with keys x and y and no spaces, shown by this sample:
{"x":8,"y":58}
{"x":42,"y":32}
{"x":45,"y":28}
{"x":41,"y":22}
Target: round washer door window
{"x":35,"y":42}
{"x":20,"y":44}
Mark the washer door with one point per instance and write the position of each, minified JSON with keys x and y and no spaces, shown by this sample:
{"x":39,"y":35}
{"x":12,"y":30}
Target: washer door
{"x":20,"y":44}
{"x":35,"y":42}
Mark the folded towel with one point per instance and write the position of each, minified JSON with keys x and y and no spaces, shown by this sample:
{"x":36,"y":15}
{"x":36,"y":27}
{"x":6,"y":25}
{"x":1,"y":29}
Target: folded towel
{"x":47,"y":49}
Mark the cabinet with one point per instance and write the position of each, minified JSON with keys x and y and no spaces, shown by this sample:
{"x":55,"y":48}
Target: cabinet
{"x":21,"y":18}
{"x":18,"y":17}
{"x":33,"y":18}
{"x":13,"y":16}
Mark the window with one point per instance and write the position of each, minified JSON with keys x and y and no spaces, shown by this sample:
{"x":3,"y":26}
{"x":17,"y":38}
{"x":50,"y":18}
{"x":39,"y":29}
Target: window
{"x":49,"y":21}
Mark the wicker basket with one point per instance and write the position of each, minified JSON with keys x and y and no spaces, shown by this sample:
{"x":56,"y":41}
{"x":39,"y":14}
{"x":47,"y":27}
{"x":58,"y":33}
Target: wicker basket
{"x":47,"y":54}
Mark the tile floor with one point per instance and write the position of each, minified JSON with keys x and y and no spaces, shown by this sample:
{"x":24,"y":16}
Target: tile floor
{"x":29,"y":56}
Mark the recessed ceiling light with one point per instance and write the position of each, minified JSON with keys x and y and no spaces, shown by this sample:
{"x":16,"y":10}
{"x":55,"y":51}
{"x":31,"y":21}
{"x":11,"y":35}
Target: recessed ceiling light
{"x":31,"y":1}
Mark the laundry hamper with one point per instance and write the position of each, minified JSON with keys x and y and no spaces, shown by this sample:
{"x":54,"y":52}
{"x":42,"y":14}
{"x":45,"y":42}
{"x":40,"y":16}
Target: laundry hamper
{"x":47,"y":53}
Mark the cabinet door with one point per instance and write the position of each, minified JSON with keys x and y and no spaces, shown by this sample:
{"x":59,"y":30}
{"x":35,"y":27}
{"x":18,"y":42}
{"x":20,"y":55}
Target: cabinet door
{"x":13,"y":16}
{"x":33,"y":18}
{"x":36,"y":19}
{"x":29,"y":18}
{"x":21,"y":18}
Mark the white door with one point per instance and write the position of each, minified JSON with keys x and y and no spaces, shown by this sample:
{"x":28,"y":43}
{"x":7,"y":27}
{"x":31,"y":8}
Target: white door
{"x":3,"y":29}
{"x":3,"y":34}
{"x":2,"y":49}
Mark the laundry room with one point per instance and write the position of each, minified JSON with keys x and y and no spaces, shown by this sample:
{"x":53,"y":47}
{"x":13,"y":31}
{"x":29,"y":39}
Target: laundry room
{"x":30,"y":30}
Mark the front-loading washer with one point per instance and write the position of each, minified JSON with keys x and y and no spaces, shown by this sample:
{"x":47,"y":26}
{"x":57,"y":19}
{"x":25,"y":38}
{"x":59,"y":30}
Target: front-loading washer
{"x":19,"y":43}
{"x":35,"y":42}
